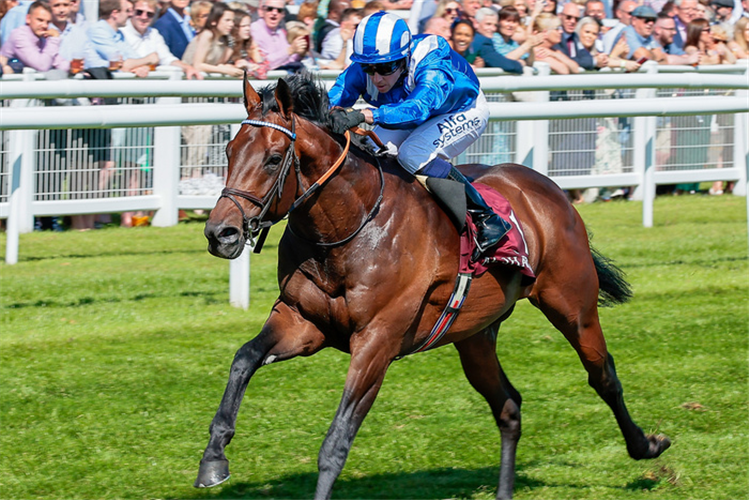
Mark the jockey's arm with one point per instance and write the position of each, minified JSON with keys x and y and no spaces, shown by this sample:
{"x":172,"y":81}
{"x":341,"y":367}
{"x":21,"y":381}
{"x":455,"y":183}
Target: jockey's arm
{"x":433,"y":86}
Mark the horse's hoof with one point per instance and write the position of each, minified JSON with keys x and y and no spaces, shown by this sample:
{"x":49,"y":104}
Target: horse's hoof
{"x":658,"y":444}
{"x":212,"y":473}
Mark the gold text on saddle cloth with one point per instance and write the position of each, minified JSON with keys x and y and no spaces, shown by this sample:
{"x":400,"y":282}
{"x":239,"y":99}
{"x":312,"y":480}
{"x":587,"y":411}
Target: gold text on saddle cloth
{"x":454,"y":126}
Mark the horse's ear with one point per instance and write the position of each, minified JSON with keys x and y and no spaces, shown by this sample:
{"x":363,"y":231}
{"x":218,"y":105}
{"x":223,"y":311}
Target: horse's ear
{"x":284,"y":98}
{"x":251,"y":97}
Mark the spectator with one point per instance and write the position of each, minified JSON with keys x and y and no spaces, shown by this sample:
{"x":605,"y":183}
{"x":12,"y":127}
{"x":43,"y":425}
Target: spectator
{"x":522,"y":7}
{"x":482,"y":46}
{"x":396,"y":4}
{"x":372,"y":7}
{"x":209,"y":51}
{"x":665,"y":28}
{"x":596,"y":10}
{"x":14,"y":18}
{"x":509,"y":20}
{"x":701,"y":40}
{"x":6,"y":5}
{"x":623,"y":14}
{"x":549,"y":6}
{"x":723,"y":13}
{"x":740,"y":43}
{"x":147,"y":40}
{"x":245,"y":53}
{"x":333,"y":20}
{"x":461,"y":40}
{"x":296,"y":29}
{"x":449,"y":10}
{"x":548,"y":25}
{"x":175,"y":27}
{"x":639,"y":36}
{"x":468,"y":10}
{"x":76,"y":16}
{"x":75,"y":45}
{"x":271,"y":37}
{"x":587,"y":30}
{"x":307,"y":14}
{"x":110,"y":48}
{"x":338,"y":47}
{"x":570,"y":43}
{"x":686,"y":11}
{"x":438,"y":26}
{"x":199,"y":11}
{"x":35,"y":44}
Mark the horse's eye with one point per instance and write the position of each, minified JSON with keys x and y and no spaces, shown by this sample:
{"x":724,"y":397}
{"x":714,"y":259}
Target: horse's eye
{"x":273,"y":160}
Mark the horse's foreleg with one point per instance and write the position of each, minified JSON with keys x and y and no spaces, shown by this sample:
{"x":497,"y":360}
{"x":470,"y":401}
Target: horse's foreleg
{"x":363,"y":381}
{"x":575,"y":314}
{"x":284,"y":336}
{"x":481,"y":366}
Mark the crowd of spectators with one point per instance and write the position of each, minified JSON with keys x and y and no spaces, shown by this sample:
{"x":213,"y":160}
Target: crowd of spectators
{"x":261,"y":35}
{"x":256,"y":36}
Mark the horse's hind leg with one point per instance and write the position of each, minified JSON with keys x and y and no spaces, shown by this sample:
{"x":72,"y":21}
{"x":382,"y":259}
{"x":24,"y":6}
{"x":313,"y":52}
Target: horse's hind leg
{"x":571,"y":305}
{"x":285,"y":335}
{"x":482,"y":368}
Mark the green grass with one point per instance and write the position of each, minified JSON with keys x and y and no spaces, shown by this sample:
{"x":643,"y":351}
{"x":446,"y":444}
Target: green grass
{"x":115,"y":347}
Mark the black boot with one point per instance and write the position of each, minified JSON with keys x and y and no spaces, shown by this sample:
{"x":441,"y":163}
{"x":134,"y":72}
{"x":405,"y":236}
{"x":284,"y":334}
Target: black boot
{"x":490,"y":227}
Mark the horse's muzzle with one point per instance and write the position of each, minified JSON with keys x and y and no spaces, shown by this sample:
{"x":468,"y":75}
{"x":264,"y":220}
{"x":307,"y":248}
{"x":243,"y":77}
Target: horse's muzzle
{"x":224,"y":240}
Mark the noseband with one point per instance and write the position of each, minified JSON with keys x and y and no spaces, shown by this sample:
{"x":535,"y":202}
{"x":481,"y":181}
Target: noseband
{"x":255,"y":226}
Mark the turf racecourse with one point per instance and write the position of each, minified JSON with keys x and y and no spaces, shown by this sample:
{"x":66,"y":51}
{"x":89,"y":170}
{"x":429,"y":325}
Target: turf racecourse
{"x":115,"y":347}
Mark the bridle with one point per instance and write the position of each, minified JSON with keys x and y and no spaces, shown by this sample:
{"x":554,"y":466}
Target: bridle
{"x":256,"y":227}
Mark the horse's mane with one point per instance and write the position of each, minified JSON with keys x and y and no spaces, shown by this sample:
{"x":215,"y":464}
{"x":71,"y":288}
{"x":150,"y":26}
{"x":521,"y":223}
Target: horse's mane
{"x":309,"y":94}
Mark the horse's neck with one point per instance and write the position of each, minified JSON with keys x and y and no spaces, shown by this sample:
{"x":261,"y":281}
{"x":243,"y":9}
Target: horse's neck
{"x":343,"y":203}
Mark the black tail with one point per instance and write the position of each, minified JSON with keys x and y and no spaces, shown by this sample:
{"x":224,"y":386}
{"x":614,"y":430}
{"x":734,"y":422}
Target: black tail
{"x":613,"y":288}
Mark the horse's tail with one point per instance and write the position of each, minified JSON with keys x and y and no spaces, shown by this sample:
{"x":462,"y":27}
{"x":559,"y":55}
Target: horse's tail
{"x":613,"y":288}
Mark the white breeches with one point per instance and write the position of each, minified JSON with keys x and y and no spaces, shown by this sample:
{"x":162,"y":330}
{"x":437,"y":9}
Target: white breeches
{"x":444,"y":136}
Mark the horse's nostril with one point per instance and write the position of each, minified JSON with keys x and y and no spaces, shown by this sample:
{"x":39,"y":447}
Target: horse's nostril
{"x":228,"y":235}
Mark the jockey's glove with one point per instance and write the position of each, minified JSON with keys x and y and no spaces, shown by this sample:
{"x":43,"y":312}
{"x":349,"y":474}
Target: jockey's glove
{"x":340,"y":120}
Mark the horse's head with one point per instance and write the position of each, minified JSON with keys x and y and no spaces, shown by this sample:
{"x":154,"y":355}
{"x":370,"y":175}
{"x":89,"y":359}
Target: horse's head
{"x":261,"y":156}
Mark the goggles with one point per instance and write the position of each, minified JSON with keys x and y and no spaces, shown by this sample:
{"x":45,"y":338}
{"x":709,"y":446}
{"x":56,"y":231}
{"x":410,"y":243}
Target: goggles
{"x":382,"y":69}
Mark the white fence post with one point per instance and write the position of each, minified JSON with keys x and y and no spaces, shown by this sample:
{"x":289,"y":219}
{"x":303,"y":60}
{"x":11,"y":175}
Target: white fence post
{"x":239,"y":268}
{"x":643,"y":153}
{"x":541,"y":128}
{"x":166,"y":163}
{"x":20,"y":189}
{"x":20,"y":184}
{"x":741,"y":146}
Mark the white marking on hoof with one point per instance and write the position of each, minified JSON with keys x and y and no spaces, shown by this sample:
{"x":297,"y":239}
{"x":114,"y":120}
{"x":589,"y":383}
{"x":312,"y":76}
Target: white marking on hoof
{"x":270,"y":359}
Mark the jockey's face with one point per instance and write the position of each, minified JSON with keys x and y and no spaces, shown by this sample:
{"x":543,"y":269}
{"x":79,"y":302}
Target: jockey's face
{"x":387,"y":82}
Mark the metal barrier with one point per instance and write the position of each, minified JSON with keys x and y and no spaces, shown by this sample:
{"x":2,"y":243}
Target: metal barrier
{"x":583,"y":131}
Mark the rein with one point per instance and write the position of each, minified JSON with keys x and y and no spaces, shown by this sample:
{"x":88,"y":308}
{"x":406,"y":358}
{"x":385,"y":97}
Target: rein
{"x":256,"y":227}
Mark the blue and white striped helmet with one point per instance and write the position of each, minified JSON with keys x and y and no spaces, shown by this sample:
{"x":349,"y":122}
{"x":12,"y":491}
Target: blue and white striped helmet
{"x":380,"y":38}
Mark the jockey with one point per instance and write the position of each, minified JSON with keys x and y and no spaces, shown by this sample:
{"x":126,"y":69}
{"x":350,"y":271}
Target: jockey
{"x":427,"y":103}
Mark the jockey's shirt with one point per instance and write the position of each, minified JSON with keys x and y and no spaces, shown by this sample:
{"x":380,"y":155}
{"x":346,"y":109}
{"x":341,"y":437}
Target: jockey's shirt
{"x":438,"y":81}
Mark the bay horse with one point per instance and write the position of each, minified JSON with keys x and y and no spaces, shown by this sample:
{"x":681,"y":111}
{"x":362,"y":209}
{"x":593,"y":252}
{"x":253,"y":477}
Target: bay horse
{"x":367,"y":263}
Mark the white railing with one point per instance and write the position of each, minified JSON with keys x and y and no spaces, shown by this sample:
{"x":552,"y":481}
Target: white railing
{"x":533,"y":132}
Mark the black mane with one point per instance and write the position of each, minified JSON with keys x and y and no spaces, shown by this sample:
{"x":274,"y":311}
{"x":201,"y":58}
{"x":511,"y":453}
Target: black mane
{"x":309,"y":94}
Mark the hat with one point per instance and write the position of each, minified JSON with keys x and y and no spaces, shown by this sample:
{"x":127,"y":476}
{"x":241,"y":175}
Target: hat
{"x":645,"y":12}
{"x":723,"y":3}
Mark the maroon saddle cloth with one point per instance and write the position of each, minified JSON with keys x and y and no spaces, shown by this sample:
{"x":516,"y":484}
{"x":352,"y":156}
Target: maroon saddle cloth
{"x":512,"y":250}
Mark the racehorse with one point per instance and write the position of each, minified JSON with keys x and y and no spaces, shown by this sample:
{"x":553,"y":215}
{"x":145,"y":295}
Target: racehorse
{"x":367,"y":263}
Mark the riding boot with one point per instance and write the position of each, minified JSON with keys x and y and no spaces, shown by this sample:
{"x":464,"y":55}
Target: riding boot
{"x":490,"y":227}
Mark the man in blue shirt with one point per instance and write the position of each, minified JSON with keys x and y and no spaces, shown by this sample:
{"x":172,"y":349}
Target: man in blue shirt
{"x":665,"y":30}
{"x":639,"y":36}
{"x":110,"y":49}
{"x":175,"y":27}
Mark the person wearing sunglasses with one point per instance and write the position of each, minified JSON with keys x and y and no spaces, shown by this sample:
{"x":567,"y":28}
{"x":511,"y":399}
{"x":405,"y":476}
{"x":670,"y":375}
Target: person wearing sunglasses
{"x":271,"y":37}
{"x":176,"y":27}
{"x":145,"y":40}
{"x":640,"y":36}
{"x":427,"y":105}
